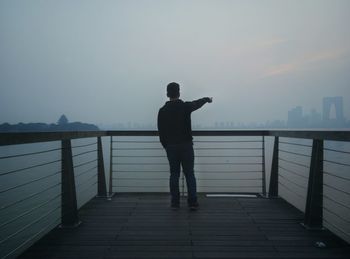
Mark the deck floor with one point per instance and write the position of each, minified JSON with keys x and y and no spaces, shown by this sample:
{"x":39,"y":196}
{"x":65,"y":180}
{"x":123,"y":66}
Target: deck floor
{"x":143,"y":226}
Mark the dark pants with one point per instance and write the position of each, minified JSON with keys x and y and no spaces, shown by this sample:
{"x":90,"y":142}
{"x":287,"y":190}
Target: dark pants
{"x":182,"y":155}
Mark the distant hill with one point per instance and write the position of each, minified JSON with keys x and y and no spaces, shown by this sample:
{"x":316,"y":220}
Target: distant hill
{"x":62,"y":125}
{"x":42,"y":127}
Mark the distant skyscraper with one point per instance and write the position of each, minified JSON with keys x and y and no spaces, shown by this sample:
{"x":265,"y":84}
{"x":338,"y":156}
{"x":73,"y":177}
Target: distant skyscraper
{"x":328,"y":103}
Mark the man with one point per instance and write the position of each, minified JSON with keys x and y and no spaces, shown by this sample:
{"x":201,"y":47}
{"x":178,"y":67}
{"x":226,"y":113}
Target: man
{"x":175,"y":133}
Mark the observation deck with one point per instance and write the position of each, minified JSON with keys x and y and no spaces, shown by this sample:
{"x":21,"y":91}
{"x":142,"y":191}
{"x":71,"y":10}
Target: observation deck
{"x":262,"y":194}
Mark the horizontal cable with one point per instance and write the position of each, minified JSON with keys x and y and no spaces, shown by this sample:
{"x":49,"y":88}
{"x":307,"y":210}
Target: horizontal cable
{"x":141,"y":171}
{"x":227,"y":172}
{"x":228,"y":148}
{"x":30,"y":167}
{"x":30,"y":239}
{"x":240,"y":179}
{"x":337,"y":163}
{"x":143,"y":179}
{"x":84,"y":153}
{"x":337,"y":215}
{"x":292,"y":182}
{"x":291,"y":191}
{"x":336,"y":189}
{"x":336,"y":176}
{"x":194,"y":163}
{"x":135,"y":141}
{"x":199,"y":179}
{"x":85,"y":172}
{"x":145,"y":148}
{"x":88,"y":187}
{"x":195,"y":141}
{"x":337,"y":202}
{"x":240,"y":156}
{"x":133,"y":186}
{"x":292,"y":172}
{"x":138,"y":156}
{"x":196,"y":171}
{"x":140,"y":164}
{"x":32,"y":153}
{"x":294,"y":144}
{"x":293,"y":153}
{"x":235,"y":187}
{"x":337,"y":151}
{"x":228,"y":163}
{"x":85,"y":163}
{"x":29,"y":211}
{"x":31,"y":181}
{"x":85,"y":145}
{"x":336,"y":227}
{"x":29,"y":225}
{"x":165,"y":186}
{"x":29,"y":197}
{"x":227,"y":141}
{"x":292,"y":162}
{"x":213,"y":148}
{"x":199,"y":186}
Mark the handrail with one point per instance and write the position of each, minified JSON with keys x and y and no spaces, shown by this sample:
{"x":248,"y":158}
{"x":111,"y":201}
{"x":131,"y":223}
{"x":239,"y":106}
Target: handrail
{"x":337,"y":135}
{"x":33,"y":137}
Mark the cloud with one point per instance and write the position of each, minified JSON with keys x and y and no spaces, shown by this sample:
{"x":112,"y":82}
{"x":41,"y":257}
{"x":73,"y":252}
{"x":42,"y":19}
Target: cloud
{"x":326,"y":55}
{"x":304,"y":62}
{"x":269,"y":43}
{"x":281,"y":69}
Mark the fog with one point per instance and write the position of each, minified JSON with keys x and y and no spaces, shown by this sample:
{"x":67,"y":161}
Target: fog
{"x":107,"y":62}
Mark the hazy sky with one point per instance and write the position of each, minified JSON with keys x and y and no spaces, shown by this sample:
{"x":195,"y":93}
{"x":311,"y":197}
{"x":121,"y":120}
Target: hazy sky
{"x":109,"y":61}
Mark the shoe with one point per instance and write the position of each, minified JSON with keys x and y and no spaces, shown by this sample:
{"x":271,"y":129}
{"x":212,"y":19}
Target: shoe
{"x":194,"y":206}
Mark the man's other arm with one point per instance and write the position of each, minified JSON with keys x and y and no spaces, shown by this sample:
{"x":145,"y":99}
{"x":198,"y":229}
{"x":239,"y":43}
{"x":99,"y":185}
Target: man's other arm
{"x":160,"y":124}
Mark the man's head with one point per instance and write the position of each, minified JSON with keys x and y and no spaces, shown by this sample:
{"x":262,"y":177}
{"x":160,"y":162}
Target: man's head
{"x":173,"y":90}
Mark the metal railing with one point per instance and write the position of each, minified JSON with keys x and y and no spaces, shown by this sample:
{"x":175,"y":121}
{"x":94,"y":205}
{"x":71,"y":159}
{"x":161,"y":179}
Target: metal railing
{"x":44,"y":186}
{"x":222,"y":164}
{"x":44,"y":180}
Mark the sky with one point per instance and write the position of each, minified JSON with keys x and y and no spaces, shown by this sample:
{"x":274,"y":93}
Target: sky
{"x":107,"y":62}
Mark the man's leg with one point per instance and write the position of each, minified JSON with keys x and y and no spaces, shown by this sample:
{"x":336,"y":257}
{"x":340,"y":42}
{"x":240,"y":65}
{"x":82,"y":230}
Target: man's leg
{"x":174,"y":163}
{"x":188,"y":168}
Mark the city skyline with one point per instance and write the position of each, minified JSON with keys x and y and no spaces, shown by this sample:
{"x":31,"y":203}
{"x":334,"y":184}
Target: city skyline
{"x":331,"y":115}
{"x":295,"y":118}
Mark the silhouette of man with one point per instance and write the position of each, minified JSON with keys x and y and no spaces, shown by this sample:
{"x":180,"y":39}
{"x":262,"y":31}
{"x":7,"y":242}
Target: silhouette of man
{"x":175,"y":133}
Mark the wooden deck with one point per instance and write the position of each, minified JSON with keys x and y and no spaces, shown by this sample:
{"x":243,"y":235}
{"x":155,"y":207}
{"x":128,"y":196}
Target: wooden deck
{"x":143,"y":226}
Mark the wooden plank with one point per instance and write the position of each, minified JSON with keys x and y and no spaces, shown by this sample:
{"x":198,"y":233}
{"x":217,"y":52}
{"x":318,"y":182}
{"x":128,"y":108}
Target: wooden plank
{"x":148,"y":228}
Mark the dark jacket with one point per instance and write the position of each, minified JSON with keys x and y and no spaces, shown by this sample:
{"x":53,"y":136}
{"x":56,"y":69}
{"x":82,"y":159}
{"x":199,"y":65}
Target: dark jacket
{"x":174,"y":121}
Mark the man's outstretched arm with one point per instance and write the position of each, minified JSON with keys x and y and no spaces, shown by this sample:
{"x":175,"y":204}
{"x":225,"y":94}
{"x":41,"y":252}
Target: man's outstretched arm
{"x":195,"y":105}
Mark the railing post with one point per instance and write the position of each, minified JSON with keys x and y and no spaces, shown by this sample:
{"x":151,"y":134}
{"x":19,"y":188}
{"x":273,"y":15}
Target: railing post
{"x":69,"y":211}
{"x":273,"y":188}
{"x":111,"y":168}
{"x":101,"y":178}
{"x":263,"y":172}
{"x":314,"y":200}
